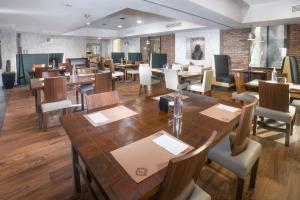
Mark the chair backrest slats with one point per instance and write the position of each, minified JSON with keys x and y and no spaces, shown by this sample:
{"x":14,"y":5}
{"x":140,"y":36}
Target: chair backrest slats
{"x":55,"y":89}
{"x":103,"y":82}
{"x":100,"y":100}
{"x":274,"y":96}
{"x":183,"y":170}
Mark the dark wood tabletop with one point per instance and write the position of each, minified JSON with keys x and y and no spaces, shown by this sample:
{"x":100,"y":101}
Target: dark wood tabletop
{"x":37,"y":84}
{"x":94,"y":144}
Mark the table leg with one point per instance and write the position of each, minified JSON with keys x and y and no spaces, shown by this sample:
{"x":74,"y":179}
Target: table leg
{"x":76,"y":172}
{"x":35,"y":99}
{"x":38,"y":105}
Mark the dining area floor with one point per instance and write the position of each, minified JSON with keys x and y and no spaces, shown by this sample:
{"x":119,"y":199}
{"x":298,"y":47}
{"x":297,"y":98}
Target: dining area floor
{"x":37,"y":164}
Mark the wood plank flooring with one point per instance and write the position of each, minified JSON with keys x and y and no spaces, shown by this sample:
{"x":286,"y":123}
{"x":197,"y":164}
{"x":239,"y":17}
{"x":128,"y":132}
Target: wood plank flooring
{"x":35,"y":164}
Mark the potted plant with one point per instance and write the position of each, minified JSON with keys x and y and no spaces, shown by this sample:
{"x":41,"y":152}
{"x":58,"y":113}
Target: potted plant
{"x":8,"y":77}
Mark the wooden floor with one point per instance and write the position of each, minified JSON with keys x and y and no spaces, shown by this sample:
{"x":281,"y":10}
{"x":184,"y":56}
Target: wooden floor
{"x":37,"y":165}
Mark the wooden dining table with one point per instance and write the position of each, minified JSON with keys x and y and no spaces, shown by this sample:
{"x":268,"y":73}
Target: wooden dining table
{"x":94,"y":144}
{"x":37,"y":85}
{"x":182,"y":74}
{"x":125,"y":67}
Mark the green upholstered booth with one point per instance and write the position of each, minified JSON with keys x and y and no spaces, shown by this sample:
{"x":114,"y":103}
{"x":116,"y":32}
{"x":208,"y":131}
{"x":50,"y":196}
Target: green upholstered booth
{"x":158,"y":60}
{"x":135,"y":57}
{"x":117,"y":56}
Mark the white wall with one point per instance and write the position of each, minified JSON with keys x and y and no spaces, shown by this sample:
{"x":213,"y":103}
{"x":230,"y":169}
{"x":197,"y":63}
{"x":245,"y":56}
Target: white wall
{"x":132,"y":47}
{"x":72,"y":47}
{"x":212,"y":46}
{"x":106,"y":48}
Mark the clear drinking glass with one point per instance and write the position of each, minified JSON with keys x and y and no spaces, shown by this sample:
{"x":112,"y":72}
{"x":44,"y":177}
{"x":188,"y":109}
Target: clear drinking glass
{"x":178,"y":104}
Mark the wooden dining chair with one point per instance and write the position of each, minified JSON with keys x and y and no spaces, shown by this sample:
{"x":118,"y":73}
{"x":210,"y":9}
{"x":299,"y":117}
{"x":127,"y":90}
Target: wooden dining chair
{"x":115,"y":73}
{"x":241,"y":93}
{"x":146,"y":79}
{"x":103,"y":82}
{"x":237,"y":152}
{"x":48,"y":74}
{"x":38,"y":72}
{"x":85,"y":88}
{"x":55,"y":96}
{"x":205,"y":86}
{"x":66,"y":66}
{"x":37,"y":65}
{"x":183,"y":173}
{"x":172,"y":80}
{"x":100,"y":100}
{"x":274,"y":104}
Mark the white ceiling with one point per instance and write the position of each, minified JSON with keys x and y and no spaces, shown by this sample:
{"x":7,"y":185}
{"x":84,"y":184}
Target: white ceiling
{"x":52,"y":17}
{"x":130,"y":18}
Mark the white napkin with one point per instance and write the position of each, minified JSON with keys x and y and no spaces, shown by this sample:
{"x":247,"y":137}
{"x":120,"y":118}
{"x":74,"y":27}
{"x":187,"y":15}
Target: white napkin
{"x":227,"y":108}
{"x":97,"y":118}
{"x":170,"y":144}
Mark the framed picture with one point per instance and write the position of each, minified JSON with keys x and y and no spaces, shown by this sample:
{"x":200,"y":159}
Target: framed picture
{"x":195,"y":48}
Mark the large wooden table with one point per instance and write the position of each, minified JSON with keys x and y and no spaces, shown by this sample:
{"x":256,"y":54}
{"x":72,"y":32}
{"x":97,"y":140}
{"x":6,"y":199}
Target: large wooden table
{"x":94,"y":144}
{"x":182,"y":74}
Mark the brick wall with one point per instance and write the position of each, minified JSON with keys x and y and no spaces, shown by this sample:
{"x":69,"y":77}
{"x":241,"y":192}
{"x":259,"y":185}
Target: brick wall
{"x":235,"y":44}
{"x":294,"y":41}
{"x":167,"y":46}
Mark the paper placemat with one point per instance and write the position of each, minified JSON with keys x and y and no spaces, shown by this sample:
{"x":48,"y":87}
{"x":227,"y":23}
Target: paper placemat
{"x":222,"y":112}
{"x":172,"y":94}
{"x":109,"y":115}
{"x":145,"y":157}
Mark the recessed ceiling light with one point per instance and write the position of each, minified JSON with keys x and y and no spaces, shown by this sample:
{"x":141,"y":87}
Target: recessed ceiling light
{"x":99,"y":38}
{"x":88,"y":23}
{"x":103,"y":24}
{"x":119,"y":26}
{"x":139,"y":21}
{"x":122,"y":18}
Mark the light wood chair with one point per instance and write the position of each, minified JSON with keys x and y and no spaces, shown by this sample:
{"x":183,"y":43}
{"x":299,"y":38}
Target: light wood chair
{"x":100,"y":100}
{"x":241,"y":93}
{"x":55,"y":96}
{"x":274,"y":104}
{"x":237,"y":152}
{"x":205,"y":86}
{"x":103,"y":82}
{"x":134,"y":72}
{"x":177,"y":67}
{"x":116,"y":74}
{"x":182,"y":174}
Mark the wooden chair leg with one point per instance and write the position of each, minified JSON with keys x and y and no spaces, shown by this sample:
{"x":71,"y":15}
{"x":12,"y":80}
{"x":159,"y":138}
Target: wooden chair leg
{"x":146,"y":90}
{"x":140,"y":92}
{"x":240,"y":188}
{"x":64,"y":111}
{"x":293,"y":122}
{"x":77,"y":98}
{"x":82,"y":102}
{"x":262,"y":120}
{"x":287,"y":134}
{"x":254,"y":124}
{"x":44,"y":119}
{"x":253,"y":174}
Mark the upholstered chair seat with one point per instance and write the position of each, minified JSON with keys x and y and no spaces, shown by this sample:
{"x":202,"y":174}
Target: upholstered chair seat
{"x":296,"y":104}
{"x":240,"y":164}
{"x":286,"y":117}
{"x":58,"y":105}
{"x":246,"y":96}
{"x":133,"y":71}
{"x":205,"y":86}
{"x":193,"y":192}
{"x":118,"y":74}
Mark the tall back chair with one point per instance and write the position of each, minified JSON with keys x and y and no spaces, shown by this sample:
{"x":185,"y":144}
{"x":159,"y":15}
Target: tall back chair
{"x":183,"y":172}
{"x":100,"y":100}
{"x":171,"y":79}
{"x":55,"y":89}
{"x":38,"y":72}
{"x":274,"y":96}
{"x":290,"y":67}
{"x":103,"y":82}
{"x":38,"y":65}
{"x":67,"y":66}
{"x":48,"y":74}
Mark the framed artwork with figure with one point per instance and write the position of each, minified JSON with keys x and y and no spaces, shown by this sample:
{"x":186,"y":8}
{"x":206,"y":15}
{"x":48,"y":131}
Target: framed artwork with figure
{"x":196,"y":48}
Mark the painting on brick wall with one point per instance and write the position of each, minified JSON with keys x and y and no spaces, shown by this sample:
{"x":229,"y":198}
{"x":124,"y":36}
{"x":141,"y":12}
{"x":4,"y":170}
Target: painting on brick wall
{"x":196,"y":48}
